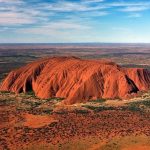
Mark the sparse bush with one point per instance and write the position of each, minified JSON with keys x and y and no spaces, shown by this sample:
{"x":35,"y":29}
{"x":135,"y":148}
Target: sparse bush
{"x":136,"y":106}
{"x":4,"y":92}
{"x":58,"y":99}
{"x":90,"y":107}
{"x":30,"y":93}
{"x":47,"y":111}
{"x":98,"y":100}
{"x":81,"y":111}
{"x":31,"y":103}
{"x":97,"y":109}
{"x":5,"y":102}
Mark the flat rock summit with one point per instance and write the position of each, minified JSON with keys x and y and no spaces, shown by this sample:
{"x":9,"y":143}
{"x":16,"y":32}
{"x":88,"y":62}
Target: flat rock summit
{"x":77,"y":80}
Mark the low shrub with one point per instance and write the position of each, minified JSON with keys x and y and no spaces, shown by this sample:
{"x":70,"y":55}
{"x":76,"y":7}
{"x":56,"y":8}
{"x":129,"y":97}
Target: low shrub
{"x":81,"y":111}
{"x":98,"y":100}
{"x":98,"y":109}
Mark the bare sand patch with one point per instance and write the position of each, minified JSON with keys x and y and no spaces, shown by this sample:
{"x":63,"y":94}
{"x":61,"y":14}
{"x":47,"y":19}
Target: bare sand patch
{"x":37,"y":121}
{"x":137,"y":147}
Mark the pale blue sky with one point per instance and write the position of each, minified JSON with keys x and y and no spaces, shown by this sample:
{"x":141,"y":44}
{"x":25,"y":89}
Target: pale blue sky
{"x":57,"y":21}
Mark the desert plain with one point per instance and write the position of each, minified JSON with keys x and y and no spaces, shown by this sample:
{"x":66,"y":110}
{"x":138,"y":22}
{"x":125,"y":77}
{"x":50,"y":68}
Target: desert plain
{"x":30,"y":122}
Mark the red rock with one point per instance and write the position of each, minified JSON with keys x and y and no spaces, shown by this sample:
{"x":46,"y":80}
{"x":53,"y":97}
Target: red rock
{"x":76,"y":80}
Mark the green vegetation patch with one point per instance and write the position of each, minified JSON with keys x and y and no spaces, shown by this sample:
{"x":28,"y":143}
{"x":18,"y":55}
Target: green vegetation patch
{"x":47,"y":111}
{"x":81,"y":111}
{"x":98,"y":100}
{"x":98,"y":108}
{"x":57,"y":99}
{"x":6,"y":102}
{"x":6,"y":92}
{"x":32,"y":104}
{"x":139,"y":105}
{"x":29,"y":94}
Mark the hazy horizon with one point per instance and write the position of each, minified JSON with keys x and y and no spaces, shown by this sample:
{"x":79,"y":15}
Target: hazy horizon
{"x":138,"y":43}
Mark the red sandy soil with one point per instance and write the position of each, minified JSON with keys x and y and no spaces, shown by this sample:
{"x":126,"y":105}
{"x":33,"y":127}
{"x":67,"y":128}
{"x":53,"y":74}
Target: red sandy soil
{"x":139,"y":147}
{"x":37,"y":121}
{"x":77,"y":80}
{"x":103,"y":125}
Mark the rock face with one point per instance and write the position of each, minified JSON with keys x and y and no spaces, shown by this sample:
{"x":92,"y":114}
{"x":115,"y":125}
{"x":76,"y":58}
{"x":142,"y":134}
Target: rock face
{"x":76,"y":80}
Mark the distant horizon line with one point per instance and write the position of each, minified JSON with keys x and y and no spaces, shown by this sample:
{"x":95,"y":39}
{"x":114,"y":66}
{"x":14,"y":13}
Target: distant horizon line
{"x":79,"y":43}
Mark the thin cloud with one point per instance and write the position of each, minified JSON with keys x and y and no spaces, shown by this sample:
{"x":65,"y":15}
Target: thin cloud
{"x":10,"y":18}
{"x":127,"y":4}
{"x":44,"y":10}
{"x":10,"y":1}
{"x":17,"y":11}
{"x":93,"y":14}
{"x":42,"y":14}
{"x":60,"y":26}
{"x":65,"y":6}
{"x":92,"y":1}
{"x":135,"y":15}
{"x":135,"y":8}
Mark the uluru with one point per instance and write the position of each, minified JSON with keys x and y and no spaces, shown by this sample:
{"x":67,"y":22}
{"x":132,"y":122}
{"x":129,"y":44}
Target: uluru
{"x":77,"y":80}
